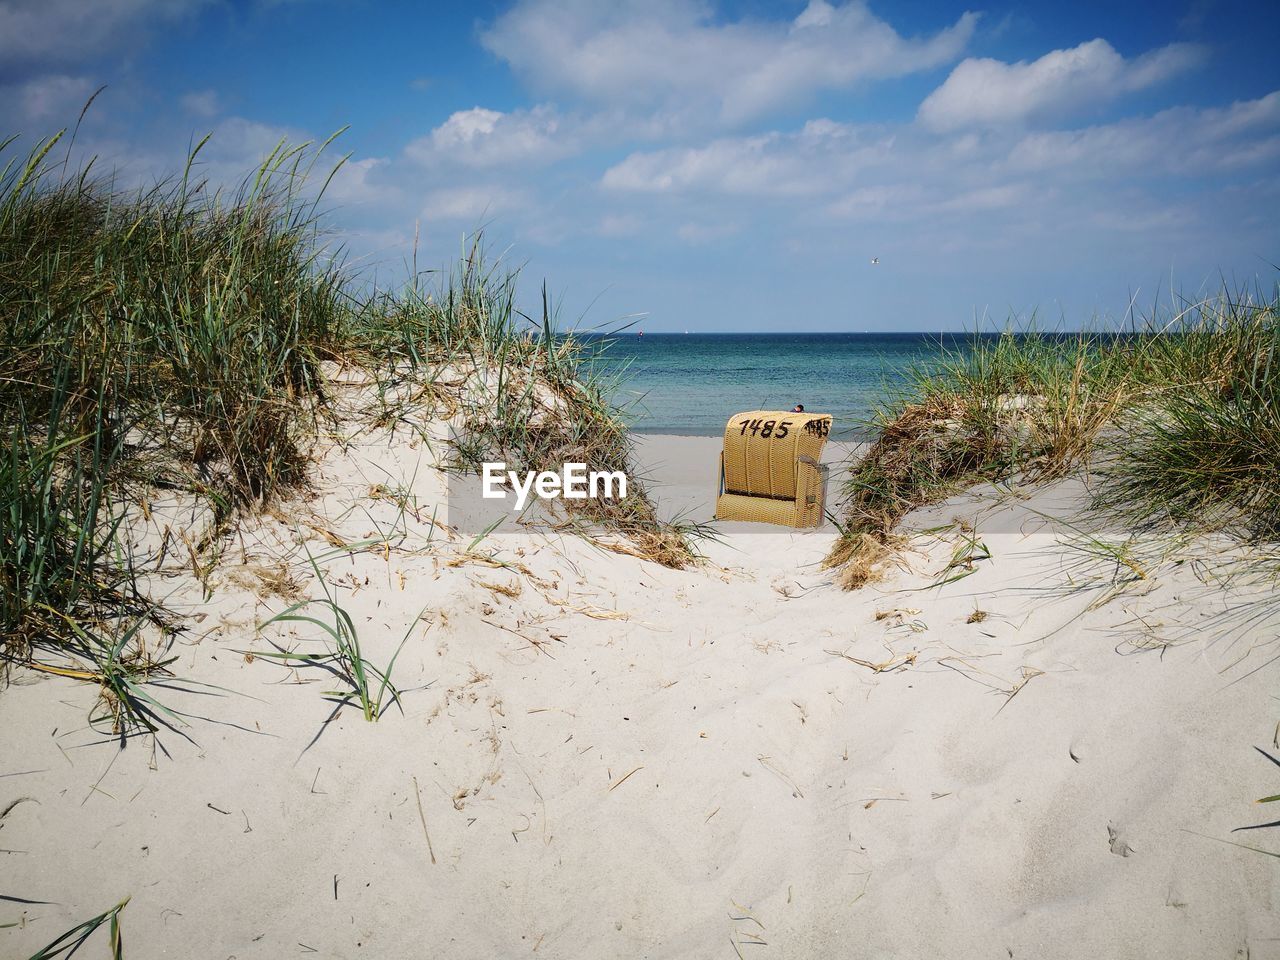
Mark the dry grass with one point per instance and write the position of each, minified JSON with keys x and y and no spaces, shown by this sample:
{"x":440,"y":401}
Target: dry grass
{"x":862,"y":559}
{"x":511,"y":590}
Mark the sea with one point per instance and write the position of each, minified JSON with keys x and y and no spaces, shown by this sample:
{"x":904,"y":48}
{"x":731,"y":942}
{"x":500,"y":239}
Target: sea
{"x":690,"y":384}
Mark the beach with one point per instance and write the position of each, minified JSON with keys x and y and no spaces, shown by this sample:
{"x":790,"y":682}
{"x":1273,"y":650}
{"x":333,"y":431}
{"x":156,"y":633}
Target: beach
{"x":352,"y":610}
{"x":594,"y":755}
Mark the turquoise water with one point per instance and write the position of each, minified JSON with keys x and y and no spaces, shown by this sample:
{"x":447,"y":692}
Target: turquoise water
{"x":693,"y":383}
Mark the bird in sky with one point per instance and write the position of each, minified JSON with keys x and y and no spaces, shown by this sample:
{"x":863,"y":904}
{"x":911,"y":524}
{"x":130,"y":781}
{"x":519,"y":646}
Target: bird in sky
{"x":874,"y":261}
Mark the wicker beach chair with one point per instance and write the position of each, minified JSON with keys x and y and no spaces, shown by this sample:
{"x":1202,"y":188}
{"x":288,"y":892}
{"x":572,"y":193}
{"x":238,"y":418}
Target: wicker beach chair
{"x":771,"y":468}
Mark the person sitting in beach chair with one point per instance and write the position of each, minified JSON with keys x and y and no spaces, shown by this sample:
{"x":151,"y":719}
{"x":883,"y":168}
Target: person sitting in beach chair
{"x":771,"y":469}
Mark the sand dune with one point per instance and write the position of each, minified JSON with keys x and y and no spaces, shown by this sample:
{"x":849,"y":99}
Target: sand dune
{"x":599,"y":757}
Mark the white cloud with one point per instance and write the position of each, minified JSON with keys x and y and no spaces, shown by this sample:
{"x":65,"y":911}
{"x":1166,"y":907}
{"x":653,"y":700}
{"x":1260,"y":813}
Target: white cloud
{"x":984,"y":199}
{"x":202,"y":103}
{"x":354,"y":182}
{"x":236,"y":147}
{"x":904,"y":201}
{"x":1183,"y":141}
{"x":465,"y":126}
{"x":471,"y":203}
{"x":881,"y":202}
{"x":619,"y":225}
{"x":488,"y":138}
{"x":56,"y":97}
{"x":699,"y":233}
{"x":40,"y":32}
{"x":737,"y":165}
{"x":866,"y":174}
{"x":989,"y":93}
{"x":811,"y":161}
{"x":247,"y":142}
{"x":1143,"y":221}
{"x":1242,"y":117}
{"x":672,"y":55}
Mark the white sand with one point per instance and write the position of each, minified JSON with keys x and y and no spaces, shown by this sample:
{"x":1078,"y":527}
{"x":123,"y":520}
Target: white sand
{"x":631,"y":761}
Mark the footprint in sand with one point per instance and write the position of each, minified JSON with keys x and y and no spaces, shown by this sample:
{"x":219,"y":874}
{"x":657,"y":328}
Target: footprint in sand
{"x":1119,"y":846}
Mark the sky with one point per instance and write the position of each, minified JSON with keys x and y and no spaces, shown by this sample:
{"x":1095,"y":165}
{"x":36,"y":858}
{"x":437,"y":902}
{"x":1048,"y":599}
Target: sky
{"x":716,"y":166}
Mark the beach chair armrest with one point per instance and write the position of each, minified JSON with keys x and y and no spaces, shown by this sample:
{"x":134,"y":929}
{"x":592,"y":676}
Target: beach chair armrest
{"x":809,"y":481}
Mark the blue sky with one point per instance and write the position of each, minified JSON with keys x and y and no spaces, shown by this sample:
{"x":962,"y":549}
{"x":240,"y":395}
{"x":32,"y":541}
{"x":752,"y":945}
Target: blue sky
{"x":730,"y":166}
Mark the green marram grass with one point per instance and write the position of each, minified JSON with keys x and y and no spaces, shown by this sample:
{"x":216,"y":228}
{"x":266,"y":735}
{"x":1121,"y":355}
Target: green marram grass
{"x":368,"y":685}
{"x":1177,"y":421}
{"x":173,"y":338}
{"x":1203,"y":446}
{"x":75,"y":938}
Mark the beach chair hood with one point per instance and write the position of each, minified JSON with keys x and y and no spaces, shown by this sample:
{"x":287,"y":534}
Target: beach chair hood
{"x":771,"y":468}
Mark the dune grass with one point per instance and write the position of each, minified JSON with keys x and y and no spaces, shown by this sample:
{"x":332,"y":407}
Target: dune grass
{"x":166,"y":337}
{"x":75,"y":938}
{"x":58,"y":523}
{"x":530,"y":396}
{"x":369,"y":686}
{"x":1204,"y":448}
{"x":189,"y":319}
{"x":1177,"y":422}
{"x":174,"y":339}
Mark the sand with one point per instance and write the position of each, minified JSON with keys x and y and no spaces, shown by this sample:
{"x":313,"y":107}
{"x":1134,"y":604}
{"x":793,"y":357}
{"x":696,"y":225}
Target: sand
{"x":599,"y":757}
